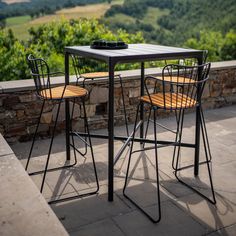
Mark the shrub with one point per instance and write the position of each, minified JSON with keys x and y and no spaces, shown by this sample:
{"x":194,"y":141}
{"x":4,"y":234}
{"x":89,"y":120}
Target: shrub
{"x":48,"y":41}
{"x":12,"y":60}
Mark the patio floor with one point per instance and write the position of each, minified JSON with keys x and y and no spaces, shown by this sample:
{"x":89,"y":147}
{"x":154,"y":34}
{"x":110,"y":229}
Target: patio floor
{"x":183,"y":211}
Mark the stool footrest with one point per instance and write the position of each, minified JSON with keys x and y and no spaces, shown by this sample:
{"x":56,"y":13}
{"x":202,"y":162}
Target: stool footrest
{"x":78,"y":136}
{"x":52,"y":169}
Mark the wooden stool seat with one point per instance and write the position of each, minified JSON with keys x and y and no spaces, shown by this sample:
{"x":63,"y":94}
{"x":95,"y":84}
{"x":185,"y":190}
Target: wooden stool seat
{"x":94,"y":75}
{"x":178,"y":89}
{"x":169,"y":100}
{"x":71,"y":91}
{"x":41,"y":74}
{"x":178,"y":79}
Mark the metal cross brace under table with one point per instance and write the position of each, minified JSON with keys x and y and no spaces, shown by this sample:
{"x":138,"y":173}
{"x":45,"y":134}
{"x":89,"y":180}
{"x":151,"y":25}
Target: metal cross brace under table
{"x":134,"y":53}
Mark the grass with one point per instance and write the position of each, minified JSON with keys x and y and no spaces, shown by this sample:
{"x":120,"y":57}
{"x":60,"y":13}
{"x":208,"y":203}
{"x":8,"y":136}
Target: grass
{"x":18,"y":20}
{"x":20,"y":25}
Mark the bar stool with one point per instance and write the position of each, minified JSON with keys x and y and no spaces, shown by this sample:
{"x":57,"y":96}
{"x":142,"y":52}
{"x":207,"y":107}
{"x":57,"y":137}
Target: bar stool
{"x":180,"y":88}
{"x":78,"y":61}
{"x":42,"y":78}
{"x":184,"y":62}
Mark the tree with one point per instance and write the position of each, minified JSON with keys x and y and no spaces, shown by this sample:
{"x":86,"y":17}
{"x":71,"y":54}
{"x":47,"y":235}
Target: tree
{"x":228,"y":51}
{"x":207,"y":40}
{"x":13,"y":54}
{"x":219,"y":46}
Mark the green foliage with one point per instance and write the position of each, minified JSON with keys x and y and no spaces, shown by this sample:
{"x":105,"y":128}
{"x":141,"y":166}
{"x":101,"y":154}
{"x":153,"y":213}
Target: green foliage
{"x":211,"y":41}
{"x":220,"y":47}
{"x":39,"y":7}
{"x":228,"y":50}
{"x":12,"y":60}
{"x":48,"y":41}
{"x":55,"y":36}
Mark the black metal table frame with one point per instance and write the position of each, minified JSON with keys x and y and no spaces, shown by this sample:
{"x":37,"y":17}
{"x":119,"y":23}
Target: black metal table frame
{"x":112,"y":62}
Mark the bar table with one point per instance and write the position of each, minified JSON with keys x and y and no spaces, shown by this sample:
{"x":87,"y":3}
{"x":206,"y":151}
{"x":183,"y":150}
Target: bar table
{"x":134,"y":53}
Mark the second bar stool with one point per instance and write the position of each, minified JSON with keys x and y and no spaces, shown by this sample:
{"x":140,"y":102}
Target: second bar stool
{"x":78,"y":62}
{"x":42,"y":78}
{"x":180,"y":88}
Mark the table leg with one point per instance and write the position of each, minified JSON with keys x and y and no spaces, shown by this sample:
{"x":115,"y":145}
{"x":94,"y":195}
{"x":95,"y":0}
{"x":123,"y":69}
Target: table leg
{"x":111,"y":132}
{"x":67,"y":109}
{"x":197,"y":142}
{"x":142,"y":93}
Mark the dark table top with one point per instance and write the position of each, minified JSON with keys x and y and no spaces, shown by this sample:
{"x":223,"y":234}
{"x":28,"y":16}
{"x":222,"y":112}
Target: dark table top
{"x":135,"y":52}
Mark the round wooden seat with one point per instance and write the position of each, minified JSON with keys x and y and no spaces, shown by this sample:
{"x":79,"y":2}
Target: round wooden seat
{"x":170,"y":100}
{"x":41,"y":74}
{"x":179,"y":80}
{"x":71,"y":91}
{"x":94,"y":75}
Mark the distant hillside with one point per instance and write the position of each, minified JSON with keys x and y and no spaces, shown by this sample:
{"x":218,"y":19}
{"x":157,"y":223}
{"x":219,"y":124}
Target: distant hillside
{"x":20,"y":25}
{"x":14,"y":1}
{"x":39,"y":7}
{"x":176,"y":20}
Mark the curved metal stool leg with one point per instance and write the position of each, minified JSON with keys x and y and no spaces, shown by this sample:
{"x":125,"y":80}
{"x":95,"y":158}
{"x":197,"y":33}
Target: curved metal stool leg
{"x":94,"y":166}
{"x":204,"y":134}
{"x":35,"y":133}
{"x":31,"y":149}
{"x":213,"y":200}
{"x":154,"y":220}
{"x":147,"y":126}
{"x":84,"y":140}
{"x":50,"y":147}
{"x":204,"y":131}
{"x":124,"y":106}
{"x":91,"y":150}
{"x":178,"y":117}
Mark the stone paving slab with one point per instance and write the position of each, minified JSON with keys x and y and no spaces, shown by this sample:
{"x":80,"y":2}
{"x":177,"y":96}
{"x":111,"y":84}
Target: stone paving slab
{"x":23,"y":210}
{"x":103,"y":227}
{"x":174,"y":222}
{"x":229,"y":231}
{"x":4,"y":147}
{"x":208,"y":215}
{"x":80,"y":212}
{"x":183,"y":212}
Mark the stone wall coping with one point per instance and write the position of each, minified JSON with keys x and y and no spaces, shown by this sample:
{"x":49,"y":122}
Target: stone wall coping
{"x":4,"y":148}
{"x":24,"y":211}
{"x":23,"y":85}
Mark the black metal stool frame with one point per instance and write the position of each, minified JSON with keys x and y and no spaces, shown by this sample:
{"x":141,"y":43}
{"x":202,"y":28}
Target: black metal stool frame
{"x":154,"y":220}
{"x":76,"y":62}
{"x":41,"y":74}
{"x":199,"y":86}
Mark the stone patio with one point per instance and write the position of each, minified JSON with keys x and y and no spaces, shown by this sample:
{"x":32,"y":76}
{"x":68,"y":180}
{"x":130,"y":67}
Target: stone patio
{"x":183,"y":212}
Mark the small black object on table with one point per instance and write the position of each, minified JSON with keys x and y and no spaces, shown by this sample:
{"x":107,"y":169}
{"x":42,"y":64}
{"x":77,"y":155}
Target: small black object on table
{"x":111,"y":45}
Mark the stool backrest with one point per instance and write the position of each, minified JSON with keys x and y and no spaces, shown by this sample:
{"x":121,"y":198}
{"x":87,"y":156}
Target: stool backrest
{"x":182,"y":86}
{"x":84,"y":65}
{"x":190,"y":61}
{"x":77,"y":62}
{"x":41,"y":75}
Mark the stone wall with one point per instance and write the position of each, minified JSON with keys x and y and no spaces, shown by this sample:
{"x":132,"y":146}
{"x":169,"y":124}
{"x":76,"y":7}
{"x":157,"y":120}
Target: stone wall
{"x":20,"y":108}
